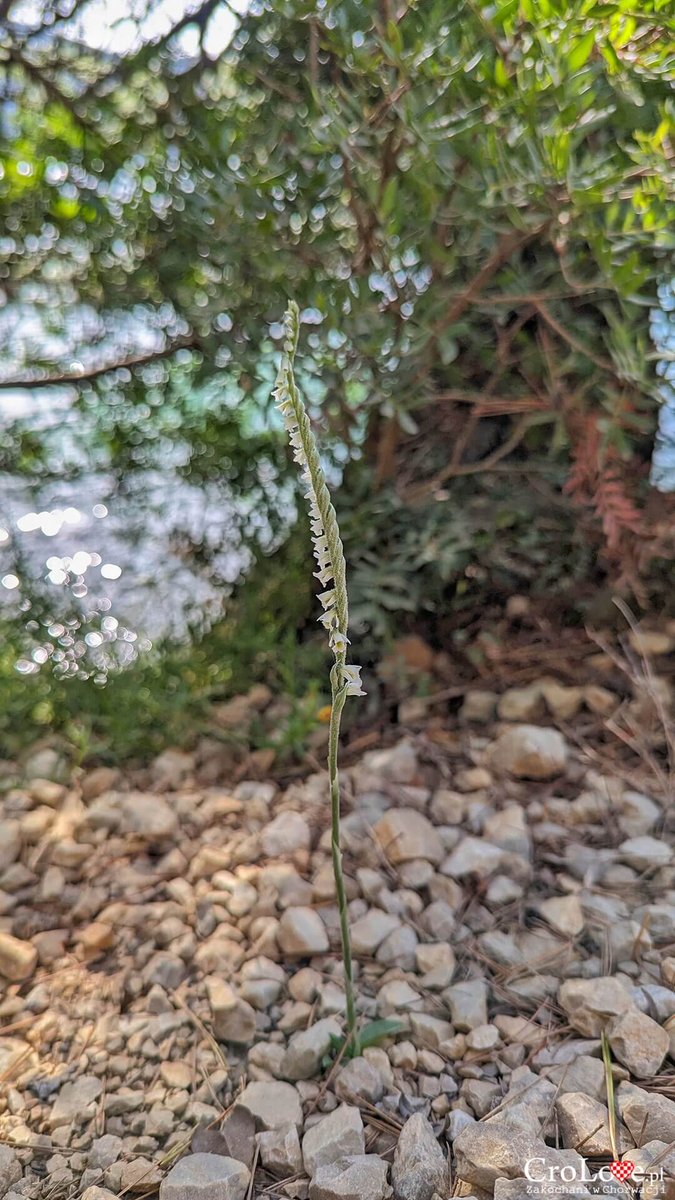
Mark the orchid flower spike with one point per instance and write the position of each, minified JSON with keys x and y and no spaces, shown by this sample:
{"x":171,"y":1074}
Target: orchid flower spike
{"x":326,"y":540}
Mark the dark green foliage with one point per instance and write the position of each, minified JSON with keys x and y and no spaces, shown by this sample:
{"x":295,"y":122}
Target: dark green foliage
{"x":472,"y":203}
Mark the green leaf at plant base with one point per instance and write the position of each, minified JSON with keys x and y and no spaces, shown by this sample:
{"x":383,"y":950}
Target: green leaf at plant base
{"x":371,"y":1034}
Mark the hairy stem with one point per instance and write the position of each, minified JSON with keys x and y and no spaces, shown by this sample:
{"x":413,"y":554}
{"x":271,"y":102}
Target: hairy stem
{"x":339,"y":695}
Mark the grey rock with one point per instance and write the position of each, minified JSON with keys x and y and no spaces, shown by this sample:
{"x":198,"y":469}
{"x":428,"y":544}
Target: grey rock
{"x":280,"y":1151}
{"x":645,"y":853}
{"x":104,"y":1151}
{"x":564,"y":914}
{"x":583,"y":1074}
{"x":489,"y":1150}
{"x":479,"y":706}
{"x":288,"y":832}
{"x":639,"y":1043}
{"x":352,"y":1178}
{"x":468,"y":1003}
{"x":637,"y":814}
{"x":520,"y":704}
{"x":473,"y":856}
{"x":272,"y":1105}
{"x":399,"y":948}
{"x":457,"y":1121}
{"x":359,"y":1080}
{"x":658,"y":1002}
{"x":76,"y":1102}
{"x":397,"y":763}
{"x":648,"y":1116}
{"x":481,"y":1095}
{"x":583,"y":1120}
{"x":419,"y":1168}
{"x":338,"y":1135}
{"x":45,"y":763}
{"x":142,"y":813}
{"x":590,"y":1004}
{"x":307,"y":1048}
{"x":436,"y":964}
{"x":10,"y":1169}
{"x":206,"y":1177}
{"x":370,"y":930}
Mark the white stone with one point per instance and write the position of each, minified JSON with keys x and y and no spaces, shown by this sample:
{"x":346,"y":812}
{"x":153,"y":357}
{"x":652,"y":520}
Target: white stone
{"x":302,"y":932}
{"x":473,"y":856}
{"x":404,"y":834}
{"x":529,"y":752}
{"x":590,"y":1004}
{"x":337,"y":1135}
{"x":307,"y":1048}
{"x":639,"y":1043}
{"x":370,"y":930}
{"x":564,"y":914}
{"x":272,"y":1105}
{"x":288,"y":832}
{"x":645,"y":853}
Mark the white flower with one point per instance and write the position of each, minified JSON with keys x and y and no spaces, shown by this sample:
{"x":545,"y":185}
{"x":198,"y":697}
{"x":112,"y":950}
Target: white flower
{"x":327,"y":599}
{"x":338,"y":641}
{"x":324,"y":575}
{"x":351,"y":675}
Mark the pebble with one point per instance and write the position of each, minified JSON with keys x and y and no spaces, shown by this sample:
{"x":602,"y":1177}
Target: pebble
{"x":307,"y":1049}
{"x":639,"y":1043}
{"x":272,"y":1105}
{"x":76,"y":1101}
{"x":206,"y":1177}
{"x":234,"y":1020}
{"x":419,"y":1168}
{"x":583,"y":1121}
{"x":369,"y":931}
{"x":564,"y":914}
{"x":468,"y":1003}
{"x":645,"y":853}
{"x":287,"y":833}
{"x":18,"y":959}
{"x":529,"y":752}
{"x":302,"y":933}
{"x":590,"y":1004}
{"x":280,"y":1151}
{"x":359,"y":1080}
{"x":354,"y":1177}
{"x":436,"y":964}
{"x":646,"y":1115}
{"x":336,"y":1136}
{"x":404,"y":834}
{"x":10,"y":1169}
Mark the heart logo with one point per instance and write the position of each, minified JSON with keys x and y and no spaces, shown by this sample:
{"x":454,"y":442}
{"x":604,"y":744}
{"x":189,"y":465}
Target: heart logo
{"x":622,"y":1170}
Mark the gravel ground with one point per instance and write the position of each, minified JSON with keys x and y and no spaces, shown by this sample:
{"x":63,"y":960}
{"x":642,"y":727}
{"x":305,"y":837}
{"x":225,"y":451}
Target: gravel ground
{"x":172,"y":988}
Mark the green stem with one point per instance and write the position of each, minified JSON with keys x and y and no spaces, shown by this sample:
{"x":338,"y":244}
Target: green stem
{"x":339,"y":695}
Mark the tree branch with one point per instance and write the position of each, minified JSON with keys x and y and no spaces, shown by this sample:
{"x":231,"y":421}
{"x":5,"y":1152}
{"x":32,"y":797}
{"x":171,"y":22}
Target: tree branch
{"x":604,"y":363}
{"x":73,"y":380}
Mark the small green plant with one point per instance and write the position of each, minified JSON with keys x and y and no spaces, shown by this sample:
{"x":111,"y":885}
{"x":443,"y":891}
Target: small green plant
{"x":345,"y":680}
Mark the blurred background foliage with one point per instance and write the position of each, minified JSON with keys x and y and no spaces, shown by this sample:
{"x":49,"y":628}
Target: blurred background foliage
{"x":473,"y":205}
